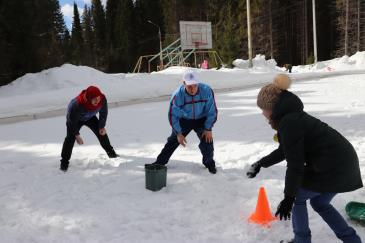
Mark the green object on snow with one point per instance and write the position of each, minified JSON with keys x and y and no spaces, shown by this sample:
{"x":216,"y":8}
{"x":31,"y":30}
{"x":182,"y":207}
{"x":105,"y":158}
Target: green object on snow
{"x":155,"y":176}
{"x":356,"y":211}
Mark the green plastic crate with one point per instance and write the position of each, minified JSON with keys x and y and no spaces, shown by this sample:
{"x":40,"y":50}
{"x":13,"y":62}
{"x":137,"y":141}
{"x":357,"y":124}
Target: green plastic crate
{"x":155,"y":176}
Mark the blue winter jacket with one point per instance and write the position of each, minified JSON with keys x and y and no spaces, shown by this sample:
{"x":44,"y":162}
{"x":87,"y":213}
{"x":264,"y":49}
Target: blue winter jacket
{"x":192,"y":107}
{"x":77,"y":113}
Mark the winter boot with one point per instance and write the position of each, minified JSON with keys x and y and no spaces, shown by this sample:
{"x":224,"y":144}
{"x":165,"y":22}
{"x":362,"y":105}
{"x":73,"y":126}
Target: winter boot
{"x":64,"y":165}
{"x":212,"y":169}
{"x":112,"y":154}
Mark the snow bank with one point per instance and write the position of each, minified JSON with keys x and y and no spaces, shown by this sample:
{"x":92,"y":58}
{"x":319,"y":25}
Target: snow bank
{"x":259,"y":63}
{"x":356,"y":61}
{"x":66,"y":76}
{"x":52,"y":89}
{"x":359,"y":59}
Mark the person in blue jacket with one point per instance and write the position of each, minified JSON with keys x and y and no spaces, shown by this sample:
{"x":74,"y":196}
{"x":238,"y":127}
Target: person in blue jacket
{"x":192,"y":107}
{"x":81,"y":111}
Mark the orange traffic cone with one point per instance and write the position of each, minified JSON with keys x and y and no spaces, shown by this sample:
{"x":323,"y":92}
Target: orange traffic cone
{"x":262,"y":215}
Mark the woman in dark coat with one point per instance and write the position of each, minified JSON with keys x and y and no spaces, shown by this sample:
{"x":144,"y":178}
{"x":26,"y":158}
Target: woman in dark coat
{"x":81,"y":111}
{"x":320,"y":162}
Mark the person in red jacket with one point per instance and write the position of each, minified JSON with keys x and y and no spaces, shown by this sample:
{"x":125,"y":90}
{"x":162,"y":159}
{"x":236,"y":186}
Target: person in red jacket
{"x":81,"y":111}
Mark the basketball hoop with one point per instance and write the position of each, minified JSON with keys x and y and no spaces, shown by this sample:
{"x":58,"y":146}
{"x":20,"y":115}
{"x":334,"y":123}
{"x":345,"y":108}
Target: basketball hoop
{"x":195,"y":35}
{"x":197,"y":44}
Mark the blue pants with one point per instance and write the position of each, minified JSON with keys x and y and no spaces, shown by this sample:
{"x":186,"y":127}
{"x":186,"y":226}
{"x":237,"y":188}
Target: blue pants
{"x":320,"y":202}
{"x":206,"y":149}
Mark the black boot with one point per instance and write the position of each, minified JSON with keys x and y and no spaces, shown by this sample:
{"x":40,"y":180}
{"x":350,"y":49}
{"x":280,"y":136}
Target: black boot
{"x":112,"y":154}
{"x":64,"y":165}
{"x":212,"y":169}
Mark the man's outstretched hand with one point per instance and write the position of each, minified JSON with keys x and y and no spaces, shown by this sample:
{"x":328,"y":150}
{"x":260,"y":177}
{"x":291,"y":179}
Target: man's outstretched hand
{"x":181,"y":139}
{"x":208,"y":136}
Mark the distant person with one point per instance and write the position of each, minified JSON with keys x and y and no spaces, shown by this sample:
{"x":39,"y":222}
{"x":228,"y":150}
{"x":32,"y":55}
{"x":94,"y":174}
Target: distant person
{"x":205,"y":64}
{"x":81,"y":111}
{"x":192,"y":107}
{"x":320,"y":162}
{"x":288,"y":67}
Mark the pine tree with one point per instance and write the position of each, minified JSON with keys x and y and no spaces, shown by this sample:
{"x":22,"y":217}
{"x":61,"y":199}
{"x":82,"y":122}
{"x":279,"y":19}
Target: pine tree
{"x":147,"y":33}
{"x":112,"y":9}
{"x":123,"y":57}
{"x":99,"y":26}
{"x":327,"y":29}
{"x":171,"y":20}
{"x":182,"y":10}
{"x":88,"y":38}
{"x":76,"y":38}
{"x":60,"y":36}
{"x":241,"y":32}
{"x":228,"y":44}
{"x":17,"y":39}
{"x":33,"y":37}
{"x":48,"y":34}
{"x":67,"y":47}
{"x":6,"y":49}
{"x":59,"y":25}
{"x":347,"y":39}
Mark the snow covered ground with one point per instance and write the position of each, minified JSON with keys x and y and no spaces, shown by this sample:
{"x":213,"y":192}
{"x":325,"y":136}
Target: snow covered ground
{"x":104,"y":200}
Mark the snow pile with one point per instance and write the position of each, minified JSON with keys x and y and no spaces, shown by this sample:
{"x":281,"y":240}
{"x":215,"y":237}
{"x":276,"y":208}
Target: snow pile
{"x":259,"y":63}
{"x":356,"y":61}
{"x":66,"y":76}
{"x":359,"y":59}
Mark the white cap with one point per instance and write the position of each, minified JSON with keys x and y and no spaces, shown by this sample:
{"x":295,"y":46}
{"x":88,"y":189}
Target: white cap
{"x":190,"y":78}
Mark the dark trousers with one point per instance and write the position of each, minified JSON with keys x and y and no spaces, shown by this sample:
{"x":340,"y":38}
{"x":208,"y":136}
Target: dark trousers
{"x":320,"y":202}
{"x":69,"y":142}
{"x":207,"y":149}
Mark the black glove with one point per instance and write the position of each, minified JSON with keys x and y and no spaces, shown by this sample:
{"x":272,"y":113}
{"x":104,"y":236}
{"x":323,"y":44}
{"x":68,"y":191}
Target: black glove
{"x":285,"y":208}
{"x":253,"y":170}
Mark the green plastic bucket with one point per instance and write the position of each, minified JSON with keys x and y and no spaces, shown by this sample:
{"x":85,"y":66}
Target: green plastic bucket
{"x":155,"y":176}
{"x":356,"y":211}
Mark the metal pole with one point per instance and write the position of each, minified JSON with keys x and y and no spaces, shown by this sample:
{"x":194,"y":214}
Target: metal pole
{"x":358,"y":25}
{"x":346,"y":26}
{"x":249,"y":35}
{"x":195,"y":59}
{"x":314,"y":31}
{"x":270,"y":25}
{"x":159,"y":36}
{"x":161,"y":59}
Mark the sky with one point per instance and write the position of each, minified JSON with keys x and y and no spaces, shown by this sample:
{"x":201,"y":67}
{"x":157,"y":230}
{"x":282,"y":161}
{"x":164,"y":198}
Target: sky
{"x":67,"y":9}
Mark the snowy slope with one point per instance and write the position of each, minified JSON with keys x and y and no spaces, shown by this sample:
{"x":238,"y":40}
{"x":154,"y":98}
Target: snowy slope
{"x":104,"y":200}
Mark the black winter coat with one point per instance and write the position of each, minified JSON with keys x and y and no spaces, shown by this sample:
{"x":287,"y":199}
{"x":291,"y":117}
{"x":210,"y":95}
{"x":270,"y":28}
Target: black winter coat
{"x":318,"y":157}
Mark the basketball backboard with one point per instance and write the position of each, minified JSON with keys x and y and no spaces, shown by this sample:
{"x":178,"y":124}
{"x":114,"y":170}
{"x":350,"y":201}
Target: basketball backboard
{"x":195,"y":35}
